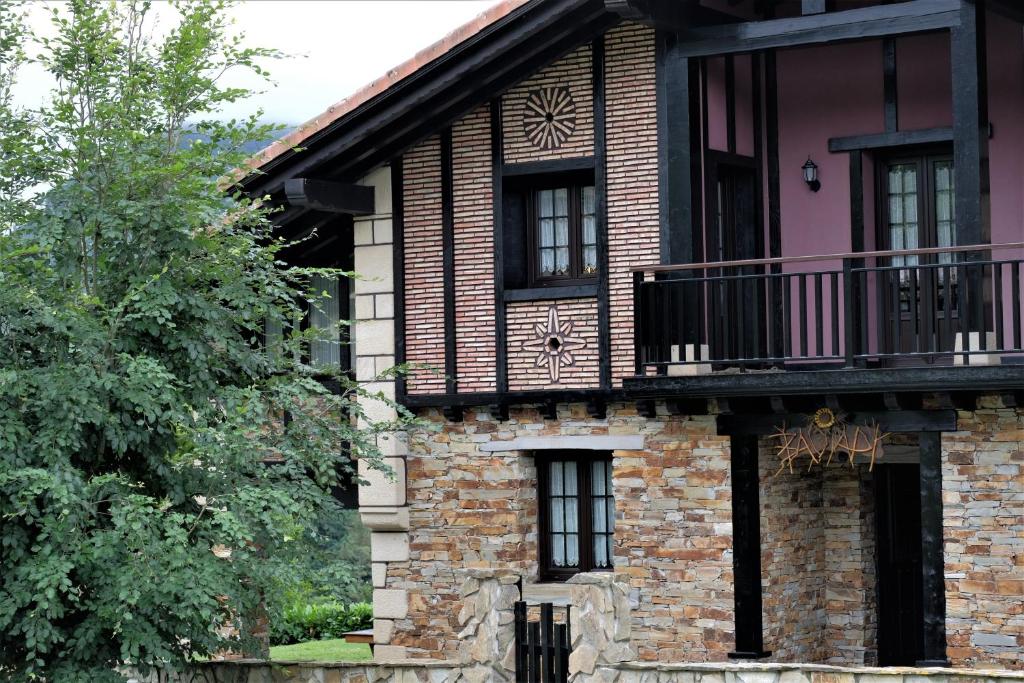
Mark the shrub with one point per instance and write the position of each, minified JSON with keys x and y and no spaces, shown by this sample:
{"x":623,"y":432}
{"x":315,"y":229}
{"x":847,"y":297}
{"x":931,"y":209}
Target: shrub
{"x":317,"y":621}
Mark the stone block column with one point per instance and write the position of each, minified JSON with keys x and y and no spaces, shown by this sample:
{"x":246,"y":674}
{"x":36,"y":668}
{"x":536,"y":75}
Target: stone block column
{"x":599,"y":619}
{"x":382,"y":503}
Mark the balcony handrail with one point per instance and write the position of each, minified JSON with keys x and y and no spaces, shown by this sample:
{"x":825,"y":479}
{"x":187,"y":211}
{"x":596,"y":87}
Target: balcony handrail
{"x":780,"y":260}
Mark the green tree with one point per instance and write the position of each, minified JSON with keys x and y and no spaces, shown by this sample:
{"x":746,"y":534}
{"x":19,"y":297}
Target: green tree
{"x":152,"y":454}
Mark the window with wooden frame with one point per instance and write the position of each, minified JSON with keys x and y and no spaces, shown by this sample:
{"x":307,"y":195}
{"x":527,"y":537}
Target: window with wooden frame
{"x":576,"y":510}
{"x":562,"y":234}
{"x":323,"y":310}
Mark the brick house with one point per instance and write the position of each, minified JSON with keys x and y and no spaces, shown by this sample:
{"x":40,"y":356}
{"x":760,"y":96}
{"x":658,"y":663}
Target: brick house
{"x":632,"y":244}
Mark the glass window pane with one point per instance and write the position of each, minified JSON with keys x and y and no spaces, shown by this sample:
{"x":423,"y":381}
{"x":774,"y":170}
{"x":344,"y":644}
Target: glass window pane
{"x":589,"y":204}
{"x":599,"y":516}
{"x":562,"y":202}
{"x":909,"y":179}
{"x":562,"y":232}
{"x":557,"y":515}
{"x":590,"y":260}
{"x":547,"y":261}
{"x":273,"y":337}
{"x":325,"y":314}
{"x":545,"y":203}
{"x":589,"y":230}
{"x":895,"y":209}
{"x":558,"y":550}
{"x":555,"y":468}
{"x":572,"y":515}
{"x":597,"y":477}
{"x":547,"y":232}
{"x":572,"y":550}
{"x":600,"y":552}
{"x":562,"y":260}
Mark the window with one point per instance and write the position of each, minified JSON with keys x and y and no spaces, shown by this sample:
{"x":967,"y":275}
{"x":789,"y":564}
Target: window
{"x":577,"y":514}
{"x":562,"y":233}
{"x":323,"y":312}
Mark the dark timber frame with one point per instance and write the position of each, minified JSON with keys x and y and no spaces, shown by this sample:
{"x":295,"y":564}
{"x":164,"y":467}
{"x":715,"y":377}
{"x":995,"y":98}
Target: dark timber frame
{"x":601,"y":196}
{"x":448,"y":242}
{"x":398,"y":268}
{"x":746,"y":548}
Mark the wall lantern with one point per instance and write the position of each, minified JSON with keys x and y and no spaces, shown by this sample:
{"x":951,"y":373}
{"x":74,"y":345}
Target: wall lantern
{"x":811,"y":175}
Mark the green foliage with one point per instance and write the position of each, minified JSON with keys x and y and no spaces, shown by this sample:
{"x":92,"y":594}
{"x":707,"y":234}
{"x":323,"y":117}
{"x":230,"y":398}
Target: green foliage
{"x":322,"y":651}
{"x":150,"y":489}
{"x":316,"y":621}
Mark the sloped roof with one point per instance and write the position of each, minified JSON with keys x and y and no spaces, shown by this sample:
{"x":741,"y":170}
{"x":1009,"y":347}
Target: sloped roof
{"x":441,"y":83}
{"x":383,"y":83}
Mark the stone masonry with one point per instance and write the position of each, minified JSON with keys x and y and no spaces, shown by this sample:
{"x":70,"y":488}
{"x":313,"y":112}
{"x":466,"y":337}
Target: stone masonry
{"x":983,"y":520}
{"x":473,"y":506}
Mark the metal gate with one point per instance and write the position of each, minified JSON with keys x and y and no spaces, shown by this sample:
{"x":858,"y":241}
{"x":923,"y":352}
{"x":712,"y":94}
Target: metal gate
{"x":542,"y":647}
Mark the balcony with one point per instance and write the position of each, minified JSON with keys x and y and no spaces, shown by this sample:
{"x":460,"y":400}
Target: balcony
{"x":941,"y":319}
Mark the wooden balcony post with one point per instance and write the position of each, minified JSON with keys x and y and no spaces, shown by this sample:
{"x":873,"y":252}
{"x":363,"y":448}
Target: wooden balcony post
{"x":933,"y":583}
{"x":746,"y":549}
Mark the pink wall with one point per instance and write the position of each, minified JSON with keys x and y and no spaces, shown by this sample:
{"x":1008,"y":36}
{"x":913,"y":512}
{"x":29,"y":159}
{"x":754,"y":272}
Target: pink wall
{"x":717,"y":124}
{"x":924,"y":92}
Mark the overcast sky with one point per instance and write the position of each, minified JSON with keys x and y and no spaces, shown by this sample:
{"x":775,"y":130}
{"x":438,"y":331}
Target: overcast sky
{"x":336,"y":46}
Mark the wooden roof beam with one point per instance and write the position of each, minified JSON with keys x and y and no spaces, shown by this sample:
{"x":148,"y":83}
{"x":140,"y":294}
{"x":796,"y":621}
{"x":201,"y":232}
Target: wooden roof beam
{"x":913,"y":16}
{"x":329,"y":196}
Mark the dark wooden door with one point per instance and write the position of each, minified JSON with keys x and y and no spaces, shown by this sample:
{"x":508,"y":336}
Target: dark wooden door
{"x":736,"y":305}
{"x":898,"y":518}
{"x":918,"y":303}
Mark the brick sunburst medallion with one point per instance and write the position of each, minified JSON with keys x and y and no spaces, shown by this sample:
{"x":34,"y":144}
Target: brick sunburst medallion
{"x":549,"y":118}
{"x":554,"y":344}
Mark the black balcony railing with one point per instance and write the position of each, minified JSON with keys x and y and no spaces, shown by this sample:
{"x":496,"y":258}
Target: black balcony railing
{"x":956,"y":305}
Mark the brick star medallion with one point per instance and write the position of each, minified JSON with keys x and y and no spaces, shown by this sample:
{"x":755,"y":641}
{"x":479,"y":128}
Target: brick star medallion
{"x":554,"y":344}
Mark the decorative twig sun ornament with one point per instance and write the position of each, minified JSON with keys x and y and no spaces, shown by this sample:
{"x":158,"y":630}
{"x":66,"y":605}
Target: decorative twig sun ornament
{"x":825,"y":435}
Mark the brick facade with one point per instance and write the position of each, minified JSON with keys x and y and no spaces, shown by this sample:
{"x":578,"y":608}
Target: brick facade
{"x":522,"y":320}
{"x":473,"y":206}
{"x":424,"y":279}
{"x":983,"y":520}
{"x":631,"y":121}
{"x":573,"y":72}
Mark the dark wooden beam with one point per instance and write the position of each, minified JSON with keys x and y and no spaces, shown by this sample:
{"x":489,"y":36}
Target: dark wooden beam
{"x":548,"y":166}
{"x":1011,"y":9}
{"x":673,"y":75}
{"x":933,"y":600}
{"x":746,"y":549}
{"x":398,"y":267}
{"x":330,"y":196}
{"x":604,"y":325}
{"x":914,"y":16}
{"x":451,"y":357}
{"x":498,"y":212}
{"x":891,"y":111}
{"x":967,"y":54}
{"x":771,"y":126}
{"x":978,"y":378}
{"x":890,"y":139}
{"x":808,"y":7}
{"x":747,"y":424}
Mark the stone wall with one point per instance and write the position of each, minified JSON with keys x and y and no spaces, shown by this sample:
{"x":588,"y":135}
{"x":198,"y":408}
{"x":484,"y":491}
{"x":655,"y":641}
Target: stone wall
{"x":983,"y":520}
{"x":472,"y":494}
{"x":818,"y":563}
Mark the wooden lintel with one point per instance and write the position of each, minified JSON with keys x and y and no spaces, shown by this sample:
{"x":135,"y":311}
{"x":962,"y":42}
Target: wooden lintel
{"x":330,"y":196}
{"x":888,"y":421}
{"x":914,"y":16}
{"x":890,"y":139}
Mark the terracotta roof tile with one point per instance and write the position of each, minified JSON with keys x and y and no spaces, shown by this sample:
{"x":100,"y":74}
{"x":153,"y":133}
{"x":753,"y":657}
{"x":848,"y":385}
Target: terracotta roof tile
{"x":380,"y":85}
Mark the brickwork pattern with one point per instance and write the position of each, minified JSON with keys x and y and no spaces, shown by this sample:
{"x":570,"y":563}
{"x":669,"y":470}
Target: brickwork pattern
{"x":632,"y":170}
{"x":472,"y":509}
{"x":983,"y":520}
{"x":574,"y":72}
{"x":473,"y":206}
{"x":523,"y":371}
{"x":424,"y":259}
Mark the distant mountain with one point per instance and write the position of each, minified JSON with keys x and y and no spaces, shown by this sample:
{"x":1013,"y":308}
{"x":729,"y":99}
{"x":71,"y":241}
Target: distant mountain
{"x":251,"y":147}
